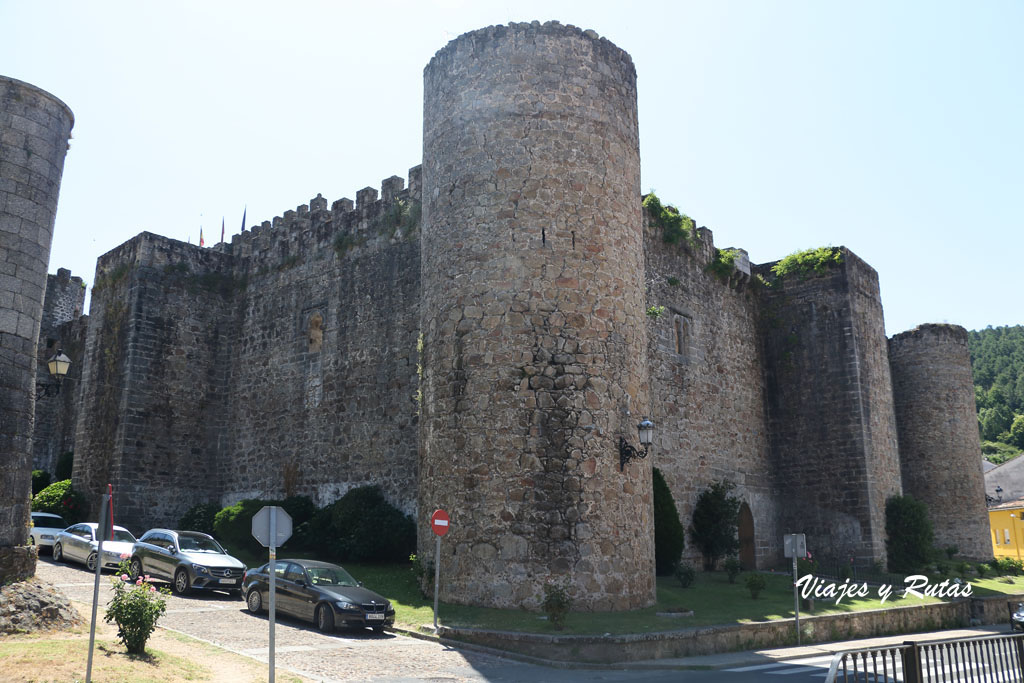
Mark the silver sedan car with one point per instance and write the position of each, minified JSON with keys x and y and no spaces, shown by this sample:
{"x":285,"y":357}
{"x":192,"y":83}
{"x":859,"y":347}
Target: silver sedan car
{"x":188,"y":559}
{"x":78,"y":543}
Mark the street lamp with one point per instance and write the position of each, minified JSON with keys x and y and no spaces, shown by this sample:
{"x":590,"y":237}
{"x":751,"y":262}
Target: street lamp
{"x":58,"y":367}
{"x":645,"y":434}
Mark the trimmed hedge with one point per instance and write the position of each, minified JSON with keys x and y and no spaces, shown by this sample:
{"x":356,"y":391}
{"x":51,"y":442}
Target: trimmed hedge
{"x":365,"y":527}
{"x":232,"y":526}
{"x":40,"y":480}
{"x":669,"y":535}
{"x":61,"y":499}
{"x":199,"y":518}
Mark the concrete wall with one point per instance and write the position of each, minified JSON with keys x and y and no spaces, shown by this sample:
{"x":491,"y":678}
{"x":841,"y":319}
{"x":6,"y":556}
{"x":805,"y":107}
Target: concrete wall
{"x":34,"y":131}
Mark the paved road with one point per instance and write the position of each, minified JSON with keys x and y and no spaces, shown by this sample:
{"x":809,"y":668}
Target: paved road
{"x":344,"y":656}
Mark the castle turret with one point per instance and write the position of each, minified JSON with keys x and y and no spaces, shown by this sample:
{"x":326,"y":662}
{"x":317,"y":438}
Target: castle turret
{"x":940,"y":450}
{"x":534,"y":360}
{"x":34,"y":131}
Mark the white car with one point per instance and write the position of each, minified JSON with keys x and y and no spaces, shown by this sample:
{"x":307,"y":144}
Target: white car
{"x":45,"y":527}
{"x":78,"y":542}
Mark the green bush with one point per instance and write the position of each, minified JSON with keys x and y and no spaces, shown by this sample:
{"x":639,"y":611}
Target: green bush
{"x":199,"y":518}
{"x":732,"y":567}
{"x":233,"y":525}
{"x":669,"y":537}
{"x":982,"y":569}
{"x":804,"y":264}
{"x":365,"y":527}
{"x":909,"y":532}
{"x":805,"y":566}
{"x":716,"y":523}
{"x":65,"y":463}
{"x":61,"y":499}
{"x":685,"y":574}
{"x":40,"y":480}
{"x":755,"y":584}
{"x":556,"y":604}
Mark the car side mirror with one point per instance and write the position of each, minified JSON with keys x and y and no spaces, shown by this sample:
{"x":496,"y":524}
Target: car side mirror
{"x":359,"y":583}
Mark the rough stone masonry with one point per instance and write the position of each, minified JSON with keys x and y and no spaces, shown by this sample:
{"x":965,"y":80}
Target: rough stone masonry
{"x":34,"y":131}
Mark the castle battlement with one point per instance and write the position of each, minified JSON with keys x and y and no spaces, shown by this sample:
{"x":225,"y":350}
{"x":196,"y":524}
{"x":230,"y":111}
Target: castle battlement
{"x":313,"y":227}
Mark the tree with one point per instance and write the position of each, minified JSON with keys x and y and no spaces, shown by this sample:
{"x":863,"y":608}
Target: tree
{"x":715,"y":525}
{"x":909,"y":534}
{"x":1017,"y":431}
{"x":669,"y":537}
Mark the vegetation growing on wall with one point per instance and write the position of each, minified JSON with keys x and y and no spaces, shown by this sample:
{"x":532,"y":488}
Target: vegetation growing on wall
{"x":111,"y":277}
{"x":675,"y":227}
{"x":807,"y":263}
{"x":722,"y":265}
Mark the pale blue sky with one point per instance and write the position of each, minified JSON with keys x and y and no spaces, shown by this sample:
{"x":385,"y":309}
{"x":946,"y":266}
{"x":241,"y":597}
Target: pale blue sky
{"x":893,"y":128}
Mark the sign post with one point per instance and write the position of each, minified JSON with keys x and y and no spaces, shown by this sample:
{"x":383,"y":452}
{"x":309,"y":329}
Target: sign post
{"x":439,"y":525}
{"x":104,"y":528}
{"x":272,"y":526}
{"x":795,"y":545}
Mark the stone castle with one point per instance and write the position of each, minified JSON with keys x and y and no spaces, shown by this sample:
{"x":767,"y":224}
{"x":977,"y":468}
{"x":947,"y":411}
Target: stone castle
{"x":481,"y":339}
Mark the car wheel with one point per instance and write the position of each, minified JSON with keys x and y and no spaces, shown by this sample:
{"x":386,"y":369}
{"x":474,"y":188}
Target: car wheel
{"x":181,"y":582}
{"x":324,"y":619}
{"x":58,"y":553}
{"x":254,"y":601}
{"x":135,"y":569}
{"x":90,"y":562}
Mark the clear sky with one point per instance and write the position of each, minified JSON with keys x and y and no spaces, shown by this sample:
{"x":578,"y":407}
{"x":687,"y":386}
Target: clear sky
{"x":893,"y":128}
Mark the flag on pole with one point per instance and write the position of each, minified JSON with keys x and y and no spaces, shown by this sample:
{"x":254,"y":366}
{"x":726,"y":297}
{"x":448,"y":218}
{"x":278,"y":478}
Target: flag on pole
{"x":244,"y":211}
{"x":222,"y":228}
{"x":201,"y":241}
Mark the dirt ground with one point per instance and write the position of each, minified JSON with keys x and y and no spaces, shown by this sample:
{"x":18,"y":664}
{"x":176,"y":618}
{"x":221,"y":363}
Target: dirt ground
{"x":171,"y":657}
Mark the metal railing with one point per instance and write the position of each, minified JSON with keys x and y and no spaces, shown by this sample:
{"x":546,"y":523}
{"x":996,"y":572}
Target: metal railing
{"x":967,"y":660}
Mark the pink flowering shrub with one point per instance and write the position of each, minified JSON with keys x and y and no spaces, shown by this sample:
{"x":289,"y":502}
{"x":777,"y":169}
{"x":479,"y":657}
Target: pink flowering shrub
{"x":136,"y":609}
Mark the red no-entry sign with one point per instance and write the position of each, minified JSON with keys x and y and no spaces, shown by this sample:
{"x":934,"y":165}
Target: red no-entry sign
{"x":439,"y":522}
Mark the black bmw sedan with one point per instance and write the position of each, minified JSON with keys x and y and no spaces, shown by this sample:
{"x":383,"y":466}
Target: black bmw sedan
{"x":320,"y":592}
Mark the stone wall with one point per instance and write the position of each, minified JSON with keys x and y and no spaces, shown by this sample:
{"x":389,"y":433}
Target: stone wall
{"x":63,"y":328}
{"x":831,"y":420}
{"x":34,"y":130}
{"x":707,"y":377}
{"x":323,"y":380}
{"x":283,"y":363}
{"x":533,"y":319}
{"x":940,"y":448}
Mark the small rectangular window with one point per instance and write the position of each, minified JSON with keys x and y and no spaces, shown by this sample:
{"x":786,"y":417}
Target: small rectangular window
{"x":1006,"y":534}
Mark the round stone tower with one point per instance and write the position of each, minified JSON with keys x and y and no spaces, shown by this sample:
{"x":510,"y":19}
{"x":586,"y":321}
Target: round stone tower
{"x":937,"y":422}
{"x":533,"y":320}
{"x":34,"y":131}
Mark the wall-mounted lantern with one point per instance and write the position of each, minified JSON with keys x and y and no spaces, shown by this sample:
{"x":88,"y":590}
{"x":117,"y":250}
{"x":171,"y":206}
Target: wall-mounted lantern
{"x":645,"y":434}
{"x":58,"y":366}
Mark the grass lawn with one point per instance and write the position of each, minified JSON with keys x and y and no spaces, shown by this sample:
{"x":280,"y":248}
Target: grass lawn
{"x":712,"y":598}
{"x":1002,"y":585}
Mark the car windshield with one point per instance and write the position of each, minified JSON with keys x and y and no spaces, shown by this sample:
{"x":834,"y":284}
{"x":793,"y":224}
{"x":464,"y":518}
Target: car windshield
{"x":330,"y":576}
{"x":50,"y":522}
{"x":198,"y":544}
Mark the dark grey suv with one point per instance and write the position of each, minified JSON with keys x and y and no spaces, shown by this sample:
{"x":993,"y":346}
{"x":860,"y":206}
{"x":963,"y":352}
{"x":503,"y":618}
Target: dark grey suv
{"x":188,"y":559}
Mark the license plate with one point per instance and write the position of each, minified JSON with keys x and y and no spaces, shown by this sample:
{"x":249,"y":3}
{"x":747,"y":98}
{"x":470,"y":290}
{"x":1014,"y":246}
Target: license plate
{"x":230,"y":581}
{"x":375,"y":615}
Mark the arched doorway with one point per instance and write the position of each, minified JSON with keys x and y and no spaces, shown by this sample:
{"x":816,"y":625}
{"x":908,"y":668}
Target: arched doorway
{"x":746,"y":534}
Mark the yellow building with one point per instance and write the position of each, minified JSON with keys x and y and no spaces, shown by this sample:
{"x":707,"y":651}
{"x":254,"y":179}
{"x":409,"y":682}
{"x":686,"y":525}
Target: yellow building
{"x":1006,"y":521}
